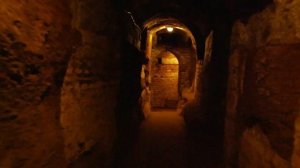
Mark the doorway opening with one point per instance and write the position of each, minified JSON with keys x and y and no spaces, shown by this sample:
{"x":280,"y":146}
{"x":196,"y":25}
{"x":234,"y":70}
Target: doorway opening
{"x":164,"y":85}
{"x":168,"y":79}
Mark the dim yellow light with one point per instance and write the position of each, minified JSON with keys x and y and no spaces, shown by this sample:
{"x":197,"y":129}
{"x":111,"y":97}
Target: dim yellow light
{"x":169,"y":58}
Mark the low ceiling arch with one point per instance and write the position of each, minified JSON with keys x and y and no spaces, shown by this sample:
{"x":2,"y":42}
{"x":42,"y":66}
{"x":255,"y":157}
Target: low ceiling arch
{"x":158,"y":23}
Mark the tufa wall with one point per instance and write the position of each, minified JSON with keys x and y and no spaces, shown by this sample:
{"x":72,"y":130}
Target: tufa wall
{"x":34,"y":50}
{"x":48,"y":119}
{"x":263,"y":89}
{"x":90,"y":86}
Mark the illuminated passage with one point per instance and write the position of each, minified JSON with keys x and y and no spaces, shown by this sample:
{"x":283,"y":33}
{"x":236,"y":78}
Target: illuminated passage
{"x":165,"y":81}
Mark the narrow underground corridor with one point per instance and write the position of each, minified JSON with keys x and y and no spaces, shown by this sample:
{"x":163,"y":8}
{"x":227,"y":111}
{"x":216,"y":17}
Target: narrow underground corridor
{"x":149,"y":83}
{"x":163,"y":139}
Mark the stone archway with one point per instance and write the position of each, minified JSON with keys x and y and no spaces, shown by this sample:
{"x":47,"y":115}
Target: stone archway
{"x":181,"y":43}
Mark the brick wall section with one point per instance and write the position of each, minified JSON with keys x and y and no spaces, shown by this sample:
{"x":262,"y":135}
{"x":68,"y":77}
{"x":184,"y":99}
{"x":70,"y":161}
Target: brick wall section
{"x":164,"y":86}
{"x":187,"y":67}
{"x":187,"y":59}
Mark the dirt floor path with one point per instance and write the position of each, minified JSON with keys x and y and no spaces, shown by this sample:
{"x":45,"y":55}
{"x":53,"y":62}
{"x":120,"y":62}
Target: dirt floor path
{"x":164,"y":143}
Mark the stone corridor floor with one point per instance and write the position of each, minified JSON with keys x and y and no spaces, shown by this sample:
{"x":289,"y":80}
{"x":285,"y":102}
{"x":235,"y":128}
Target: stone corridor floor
{"x":163,"y":142}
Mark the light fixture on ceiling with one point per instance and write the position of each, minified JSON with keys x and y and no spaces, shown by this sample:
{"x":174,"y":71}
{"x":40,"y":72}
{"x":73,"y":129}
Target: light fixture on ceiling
{"x":170,"y":29}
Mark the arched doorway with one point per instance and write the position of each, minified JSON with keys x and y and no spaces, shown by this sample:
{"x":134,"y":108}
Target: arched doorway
{"x":168,"y":39}
{"x":164,"y":85}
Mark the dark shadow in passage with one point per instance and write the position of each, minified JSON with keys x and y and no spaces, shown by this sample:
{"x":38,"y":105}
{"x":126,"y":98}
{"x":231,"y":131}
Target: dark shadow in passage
{"x":128,"y":111}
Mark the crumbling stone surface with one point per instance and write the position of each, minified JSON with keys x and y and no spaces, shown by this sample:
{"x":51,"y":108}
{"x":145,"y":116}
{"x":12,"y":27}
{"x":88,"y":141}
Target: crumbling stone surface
{"x":256,"y":151}
{"x":41,"y":124}
{"x":36,"y":40}
{"x":88,"y":100}
{"x":91,"y":84}
{"x":263,"y":80}
{"x":273,"y":102}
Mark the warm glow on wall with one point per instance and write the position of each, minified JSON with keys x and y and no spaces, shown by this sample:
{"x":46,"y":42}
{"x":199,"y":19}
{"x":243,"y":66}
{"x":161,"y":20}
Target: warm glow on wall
{"x":169,"y":58}
{"x":170,"y":29}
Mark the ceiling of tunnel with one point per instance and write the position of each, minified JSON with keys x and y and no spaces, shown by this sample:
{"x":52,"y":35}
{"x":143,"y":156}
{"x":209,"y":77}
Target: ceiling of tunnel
{"x":157,"y":24}
{"x":160,"y":20}
{"x":192,"y":9}
{"x":200,"y":16}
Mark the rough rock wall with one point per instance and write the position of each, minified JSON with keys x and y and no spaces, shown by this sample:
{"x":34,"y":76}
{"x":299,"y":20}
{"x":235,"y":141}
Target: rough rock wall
{"x":41,"y":124}
{"x":208,"y":109}
{"x":36,"y":40}
{"x":88,"y":100}
{"x":264,"y":86}
{"x":255,"y":145}
{"x":90,"y":88}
